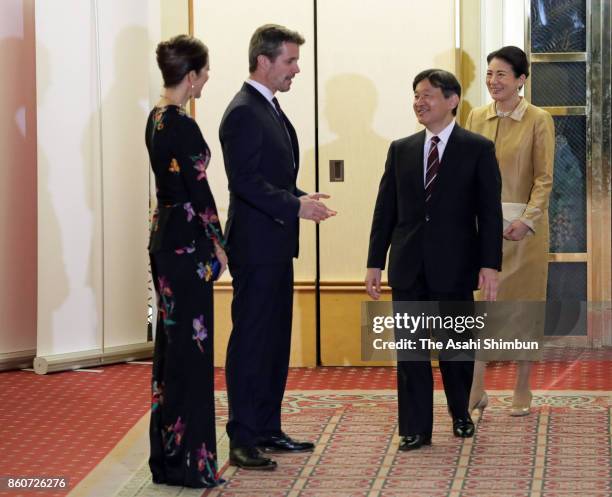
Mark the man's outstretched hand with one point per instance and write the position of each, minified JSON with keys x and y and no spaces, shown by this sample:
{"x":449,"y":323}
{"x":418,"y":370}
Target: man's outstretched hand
{"x":312,"y":208}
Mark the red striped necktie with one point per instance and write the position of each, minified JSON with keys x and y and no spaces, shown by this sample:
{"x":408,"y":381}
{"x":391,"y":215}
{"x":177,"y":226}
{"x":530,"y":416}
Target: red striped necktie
{"x":433,"y":165}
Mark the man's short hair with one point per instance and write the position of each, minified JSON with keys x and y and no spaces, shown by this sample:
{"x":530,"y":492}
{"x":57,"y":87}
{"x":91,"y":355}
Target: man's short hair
{"x":446,"y":81}
{"x":267,"y":40}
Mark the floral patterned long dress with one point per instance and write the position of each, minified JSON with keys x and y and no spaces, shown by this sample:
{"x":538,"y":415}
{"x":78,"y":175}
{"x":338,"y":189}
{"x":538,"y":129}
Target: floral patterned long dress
{"x":183,"y":229}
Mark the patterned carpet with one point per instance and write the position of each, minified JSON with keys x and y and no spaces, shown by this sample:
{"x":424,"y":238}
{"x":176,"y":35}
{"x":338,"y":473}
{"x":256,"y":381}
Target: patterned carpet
{"x":70,"y":423}
{"x":562,"y":450}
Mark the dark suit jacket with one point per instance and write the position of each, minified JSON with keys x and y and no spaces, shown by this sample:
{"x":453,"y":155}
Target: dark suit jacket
{"x":262,"y":225}
{"x":457,"y":232}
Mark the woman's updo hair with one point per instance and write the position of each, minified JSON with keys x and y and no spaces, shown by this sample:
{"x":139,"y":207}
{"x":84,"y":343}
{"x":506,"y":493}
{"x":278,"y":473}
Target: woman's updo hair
{"x":179,"y":55}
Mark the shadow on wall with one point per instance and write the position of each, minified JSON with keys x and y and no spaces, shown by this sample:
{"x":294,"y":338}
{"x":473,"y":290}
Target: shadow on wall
{"x":60,"y":270}
{"x":18,"y":195}
{"x":71,"y":189}
{"x":118,"y":178}
{"x":350,"y":102}
{"x":467,"y":78}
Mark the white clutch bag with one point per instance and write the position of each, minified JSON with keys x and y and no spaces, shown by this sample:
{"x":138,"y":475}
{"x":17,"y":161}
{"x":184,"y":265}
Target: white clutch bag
{"x":512,"y":211}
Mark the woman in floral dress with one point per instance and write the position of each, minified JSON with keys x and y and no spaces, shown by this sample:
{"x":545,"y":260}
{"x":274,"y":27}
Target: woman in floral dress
{"x":186,"y":250}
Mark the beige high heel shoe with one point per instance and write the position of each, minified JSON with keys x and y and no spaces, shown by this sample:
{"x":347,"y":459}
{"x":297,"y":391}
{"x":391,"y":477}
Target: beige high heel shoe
{"x":481,"y":404}
{"x":521,"y":407}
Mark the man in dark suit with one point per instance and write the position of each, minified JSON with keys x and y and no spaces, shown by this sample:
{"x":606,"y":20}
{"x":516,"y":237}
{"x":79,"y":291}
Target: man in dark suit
{"x":261,"y":154}
{"x":439,"y":209}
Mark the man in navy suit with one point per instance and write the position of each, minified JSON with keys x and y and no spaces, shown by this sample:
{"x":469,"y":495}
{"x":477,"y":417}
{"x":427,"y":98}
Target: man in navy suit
{"x":439,"y":211}
{"x":261,"y":154}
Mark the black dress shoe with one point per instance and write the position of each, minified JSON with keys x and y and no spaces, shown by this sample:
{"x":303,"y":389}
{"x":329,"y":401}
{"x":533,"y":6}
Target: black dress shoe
{"x":284,"y":443}
{"x":250,"y":458}
{"x":463,"y":427}
{"x":412,"y":442}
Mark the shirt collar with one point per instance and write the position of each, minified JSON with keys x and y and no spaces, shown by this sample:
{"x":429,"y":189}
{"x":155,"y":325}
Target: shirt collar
{"x":517,"y":113}
{"x":264,"y":90}
{"x":444,"y":135}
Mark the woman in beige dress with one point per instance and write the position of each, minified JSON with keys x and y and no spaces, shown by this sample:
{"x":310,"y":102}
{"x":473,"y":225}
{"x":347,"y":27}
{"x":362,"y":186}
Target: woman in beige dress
{"x":524,"y":137}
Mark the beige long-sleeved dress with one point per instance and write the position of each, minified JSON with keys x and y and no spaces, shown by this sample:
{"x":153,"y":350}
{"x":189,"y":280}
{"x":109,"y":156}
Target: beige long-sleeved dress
{"x":525,"y":148}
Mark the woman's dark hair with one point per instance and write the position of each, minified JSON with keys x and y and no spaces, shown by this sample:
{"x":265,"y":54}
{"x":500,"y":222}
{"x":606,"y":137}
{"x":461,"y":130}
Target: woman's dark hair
{"x":439,"y":78}
{"x":513,"y":56}
{"x":178,"y":56}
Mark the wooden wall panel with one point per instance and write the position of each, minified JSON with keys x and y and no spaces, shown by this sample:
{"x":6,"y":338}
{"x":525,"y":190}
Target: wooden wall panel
{"x":341,"y":325}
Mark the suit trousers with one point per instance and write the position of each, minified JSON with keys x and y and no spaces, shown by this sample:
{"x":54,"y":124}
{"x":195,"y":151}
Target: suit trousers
{"x":257,"y":361}
{"x":415,"y":386}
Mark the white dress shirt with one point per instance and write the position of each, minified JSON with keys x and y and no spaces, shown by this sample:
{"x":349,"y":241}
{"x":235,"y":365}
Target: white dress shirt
{"x":264,"y":90}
